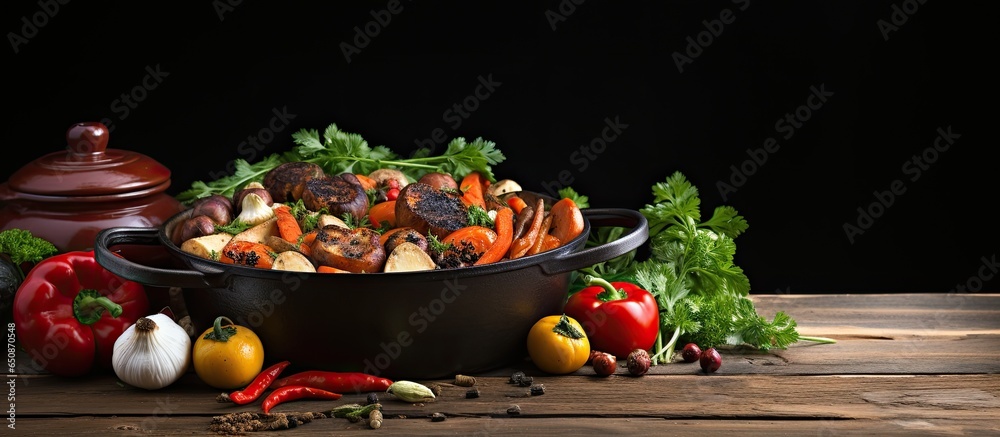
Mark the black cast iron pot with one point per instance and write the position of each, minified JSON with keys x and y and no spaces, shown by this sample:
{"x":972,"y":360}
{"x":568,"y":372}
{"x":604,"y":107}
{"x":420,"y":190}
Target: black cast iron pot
{"x":415,"y":325}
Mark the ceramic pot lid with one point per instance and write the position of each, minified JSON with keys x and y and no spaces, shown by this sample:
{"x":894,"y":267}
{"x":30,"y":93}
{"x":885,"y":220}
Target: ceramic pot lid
{"x":88,"y":168}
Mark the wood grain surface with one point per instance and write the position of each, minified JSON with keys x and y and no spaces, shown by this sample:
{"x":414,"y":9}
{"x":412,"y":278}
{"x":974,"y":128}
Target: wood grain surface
{"x":903,"y":365}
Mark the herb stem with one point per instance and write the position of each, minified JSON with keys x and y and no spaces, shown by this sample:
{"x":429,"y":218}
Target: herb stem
{"x":668,"y":350}
{"x":822,"y":340}
{"x":399,"y":163}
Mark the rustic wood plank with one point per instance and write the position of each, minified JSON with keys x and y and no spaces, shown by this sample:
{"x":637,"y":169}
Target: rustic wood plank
{"x":904,"y":364}
{"x":193,"y":425}
{"x":668,"y":396}
{"x":926,"y":314}
{"x":857,"y":354}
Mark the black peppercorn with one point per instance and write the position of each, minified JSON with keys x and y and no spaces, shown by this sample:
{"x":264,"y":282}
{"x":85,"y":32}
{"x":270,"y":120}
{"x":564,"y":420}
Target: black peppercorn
{"x":526,"y":381}
{"x":516,"y":377}
{"x":372,"y":399}
{"x":472,"y":393}
{"x":538,"y":389}
{"x":438,"y":417}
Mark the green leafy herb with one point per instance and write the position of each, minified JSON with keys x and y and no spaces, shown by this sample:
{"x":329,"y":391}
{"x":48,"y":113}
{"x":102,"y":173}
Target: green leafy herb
{"x":234,"y":227}
{"x":21,"y":246}
{"x":337,"y":151}
{"x":702,"y":294}
{"x":436,"y":245}
{"x":227,"y":185}
{"x":479,"y":217}
{"x":580,"y":200}
{"x":354,"y":223}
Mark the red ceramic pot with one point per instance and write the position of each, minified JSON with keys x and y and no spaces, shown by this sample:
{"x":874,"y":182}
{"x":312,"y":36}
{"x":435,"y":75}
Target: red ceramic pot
{"x":68,"y":197}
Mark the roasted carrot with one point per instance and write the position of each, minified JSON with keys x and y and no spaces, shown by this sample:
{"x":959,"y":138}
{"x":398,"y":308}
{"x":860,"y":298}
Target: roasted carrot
{"x":288,"y":226}
{"x":517,"y":203}
{"x":473,"y":190}
{"x":543,"y":232}
{"x":567,"y":220}
{"x":479,"y":237}
{"x":247,"y":253}
{"x":521,"y":245}
{"x":551,"y":242}
{"x":328,"y":269}
{"x":504,"y":226}
{"x":367,"y":183}
{"x":383,"y":212}
{"x":305,"y":241}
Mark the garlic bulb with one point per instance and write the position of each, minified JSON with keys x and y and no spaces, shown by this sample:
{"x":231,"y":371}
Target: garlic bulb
{"x":254,"y":210}
{"x":152,"y":353}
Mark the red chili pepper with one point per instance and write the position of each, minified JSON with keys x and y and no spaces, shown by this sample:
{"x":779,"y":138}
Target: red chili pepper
{"x":340,"y":382}
{"x":70,"y":310}
{"x":294,"y":392}
{"x":258,"y":385}
{"x":618,"y":317}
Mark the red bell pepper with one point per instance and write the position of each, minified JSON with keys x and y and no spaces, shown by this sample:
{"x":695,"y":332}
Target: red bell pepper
{"x":618,"y":317}
{"x":70,"y":310}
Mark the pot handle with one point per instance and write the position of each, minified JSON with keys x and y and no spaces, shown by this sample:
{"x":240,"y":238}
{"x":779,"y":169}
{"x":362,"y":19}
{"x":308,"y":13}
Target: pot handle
{"x":632,"y":239}
{"x":145,"y":274}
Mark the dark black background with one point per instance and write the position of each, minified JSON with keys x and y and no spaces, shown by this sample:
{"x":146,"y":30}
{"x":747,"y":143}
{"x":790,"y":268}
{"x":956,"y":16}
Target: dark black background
{"x":228,"y":73}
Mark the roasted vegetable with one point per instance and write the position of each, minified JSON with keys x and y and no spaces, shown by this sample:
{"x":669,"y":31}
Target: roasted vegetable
{"x":355,"y":250}
{"x":408,"y":257}
{"x":338,"y":195}
{"x":430,"y":211}
{"x":286,"y":181}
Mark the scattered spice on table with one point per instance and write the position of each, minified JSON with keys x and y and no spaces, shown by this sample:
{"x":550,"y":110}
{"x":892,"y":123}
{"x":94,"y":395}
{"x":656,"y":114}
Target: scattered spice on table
{"x":375,"y":419}
{"x":465,"y":380}
{"x":516,"y":377}
{"x":247,"y":421}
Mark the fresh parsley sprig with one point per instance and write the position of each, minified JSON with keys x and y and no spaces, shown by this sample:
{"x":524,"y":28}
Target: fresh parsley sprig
{"x":338,"y":151}
{"x":703,"y":296}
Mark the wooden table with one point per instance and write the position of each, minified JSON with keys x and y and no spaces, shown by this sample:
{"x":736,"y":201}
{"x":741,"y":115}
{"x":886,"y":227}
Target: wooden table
{"x":903,"y":365}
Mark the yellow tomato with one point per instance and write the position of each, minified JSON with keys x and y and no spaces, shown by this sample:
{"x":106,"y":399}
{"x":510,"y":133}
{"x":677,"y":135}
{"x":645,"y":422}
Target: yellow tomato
{"x":228,"y":357}
{"x":558,"y":344}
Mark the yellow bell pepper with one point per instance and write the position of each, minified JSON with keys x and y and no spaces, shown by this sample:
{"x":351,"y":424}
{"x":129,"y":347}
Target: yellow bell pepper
{"x":228,"y":357}
{"x":558,"y":344}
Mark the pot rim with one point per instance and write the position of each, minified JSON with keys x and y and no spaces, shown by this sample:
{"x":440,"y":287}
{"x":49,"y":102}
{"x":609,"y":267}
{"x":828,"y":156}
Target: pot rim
{"x":206,"y":273}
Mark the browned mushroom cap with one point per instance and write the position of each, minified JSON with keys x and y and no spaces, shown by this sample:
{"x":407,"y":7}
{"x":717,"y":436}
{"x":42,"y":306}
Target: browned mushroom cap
{"x":286,"y":181}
